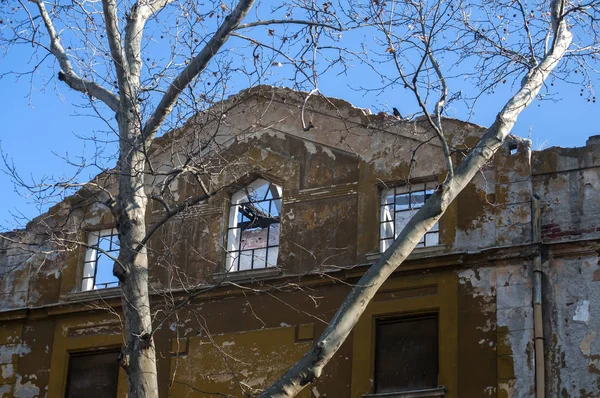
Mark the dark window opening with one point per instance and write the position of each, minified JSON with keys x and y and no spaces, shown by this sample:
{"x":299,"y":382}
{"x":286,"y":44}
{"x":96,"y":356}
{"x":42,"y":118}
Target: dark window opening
{"x":406,"y":353}
{"x":93,"y":374}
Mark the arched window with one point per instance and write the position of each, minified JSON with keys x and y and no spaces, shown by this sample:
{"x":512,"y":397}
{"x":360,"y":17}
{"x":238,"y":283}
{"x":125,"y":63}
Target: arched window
{"x":253,"y":233}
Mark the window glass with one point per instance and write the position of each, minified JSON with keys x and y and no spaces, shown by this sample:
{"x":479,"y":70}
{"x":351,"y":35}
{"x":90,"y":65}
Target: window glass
{"x":398,"y":205}
{"x":93,"y":374}
{"x":253,"y":231}
{"x":406,"y":353}
{"x":98,"y":264}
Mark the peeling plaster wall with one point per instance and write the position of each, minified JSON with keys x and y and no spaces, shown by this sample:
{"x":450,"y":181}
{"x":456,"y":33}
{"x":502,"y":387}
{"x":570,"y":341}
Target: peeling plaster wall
{"x":500,"y":315}
{"x":13,"y":348}
{"x":567,"y":181}
{"x":14,"y":274}
{"x":332,"y":176}
{"x":573,"y":325}
{"x":495,"y":209}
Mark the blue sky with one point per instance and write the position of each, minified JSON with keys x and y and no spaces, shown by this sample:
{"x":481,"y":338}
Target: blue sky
{"x":38,"y":129}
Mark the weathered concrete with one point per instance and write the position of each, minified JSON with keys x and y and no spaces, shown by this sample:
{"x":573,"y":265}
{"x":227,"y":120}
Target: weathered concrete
{"x":232,"y":339}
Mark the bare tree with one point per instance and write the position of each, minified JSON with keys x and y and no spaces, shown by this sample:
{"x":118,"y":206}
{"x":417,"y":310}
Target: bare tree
{"x":415,"y":34}
{"x":108,"y":51}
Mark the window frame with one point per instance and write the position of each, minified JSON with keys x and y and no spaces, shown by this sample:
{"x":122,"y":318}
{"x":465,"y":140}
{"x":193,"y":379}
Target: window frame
{"x":387,"y":221}
{"x":101,"y":351}
{"x":410,"y":294}
{"x":233,"y":235}
{"x":90,"y":260}
{"x":399,"y":318}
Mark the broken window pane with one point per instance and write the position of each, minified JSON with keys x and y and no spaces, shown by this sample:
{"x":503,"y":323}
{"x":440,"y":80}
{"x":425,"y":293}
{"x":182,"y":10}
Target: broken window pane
{"x":104,"y":273}
{"x":406,"y":353}
{"x":254,"y":238}
{"x":253,"y":233}
{"x":273,"y":235}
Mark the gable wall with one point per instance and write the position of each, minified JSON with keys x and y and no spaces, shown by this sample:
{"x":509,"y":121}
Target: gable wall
{"x":332,"y":176}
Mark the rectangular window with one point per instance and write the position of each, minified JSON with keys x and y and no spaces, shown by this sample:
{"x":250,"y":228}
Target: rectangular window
{"x":406,"y":353}
{"x":398,"y":205}
{"x":93,"y":374}
{"x":98,"y":264}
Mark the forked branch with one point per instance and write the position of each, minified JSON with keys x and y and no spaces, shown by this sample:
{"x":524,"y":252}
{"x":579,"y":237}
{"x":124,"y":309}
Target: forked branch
{"x":67,"y":74}
{"x":194,"y":68}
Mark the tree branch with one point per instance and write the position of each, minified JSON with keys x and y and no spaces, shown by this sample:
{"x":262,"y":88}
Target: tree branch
{"x":287,"y":22}
{"x":140,"y":13}
{"x":310,"y":366}
{"x":67,"y":74}
{"x":171,"y":212}
{"x":111,"y":20}
{"x":195,"y":67}
{"x":413,"y":86}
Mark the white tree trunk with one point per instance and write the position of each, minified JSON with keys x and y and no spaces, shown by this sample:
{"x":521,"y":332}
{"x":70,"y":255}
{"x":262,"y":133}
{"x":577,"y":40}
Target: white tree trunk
{"x":310,"y":367}
{"x":138,"y":356}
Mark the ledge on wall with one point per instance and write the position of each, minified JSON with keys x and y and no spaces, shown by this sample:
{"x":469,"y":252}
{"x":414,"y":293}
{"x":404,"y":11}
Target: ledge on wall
{"x":417,"y":253}
{"x":94,"y":294}
{"x":242,"y":276}
{"x":423,"y":393}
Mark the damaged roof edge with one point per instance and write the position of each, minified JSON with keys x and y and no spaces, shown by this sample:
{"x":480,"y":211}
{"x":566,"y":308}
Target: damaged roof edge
{"x":332,"y":107}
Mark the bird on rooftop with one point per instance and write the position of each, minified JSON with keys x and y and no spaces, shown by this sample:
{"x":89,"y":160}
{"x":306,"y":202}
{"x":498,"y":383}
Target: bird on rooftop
{"x":397,"y":113}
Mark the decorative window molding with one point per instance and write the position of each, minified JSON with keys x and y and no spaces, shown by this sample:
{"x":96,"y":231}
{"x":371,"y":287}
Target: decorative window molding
{"x":98,"y":266}
{"x":253,"y":228}
{"x":398,"y":205}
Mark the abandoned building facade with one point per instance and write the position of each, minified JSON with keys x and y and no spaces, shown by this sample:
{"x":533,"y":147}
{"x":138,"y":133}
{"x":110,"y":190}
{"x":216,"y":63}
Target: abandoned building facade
{"x":500,"y":299}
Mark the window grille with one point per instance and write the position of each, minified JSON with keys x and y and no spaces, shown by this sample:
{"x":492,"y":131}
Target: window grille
{"x":98,"y":266}
{"x":253,"y":230}
{"x":406,"y":353}
{"x":398,"y":205}
{"x":93,"y":374}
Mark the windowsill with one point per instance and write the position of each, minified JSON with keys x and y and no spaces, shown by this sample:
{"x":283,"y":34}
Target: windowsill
{"x":106,"y":293}
{"x":252,"y":274}
{"x":423,"y":393}
{"x":417,"y":253}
